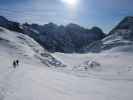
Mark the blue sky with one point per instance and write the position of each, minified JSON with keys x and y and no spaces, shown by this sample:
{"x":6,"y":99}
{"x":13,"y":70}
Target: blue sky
{"x":103,"y":13}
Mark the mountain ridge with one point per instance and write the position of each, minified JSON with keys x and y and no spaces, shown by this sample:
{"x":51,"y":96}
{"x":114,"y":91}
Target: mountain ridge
{"x":57,"y":38}
{"x":74,"y":38}
{"x":120,"y":38}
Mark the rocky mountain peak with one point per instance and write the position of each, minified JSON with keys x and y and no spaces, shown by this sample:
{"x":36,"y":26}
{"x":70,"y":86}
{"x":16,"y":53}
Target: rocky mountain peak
{"x":125,"y":24}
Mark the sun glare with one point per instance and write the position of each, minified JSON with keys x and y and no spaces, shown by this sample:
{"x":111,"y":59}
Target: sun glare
{"x":71,"y":3}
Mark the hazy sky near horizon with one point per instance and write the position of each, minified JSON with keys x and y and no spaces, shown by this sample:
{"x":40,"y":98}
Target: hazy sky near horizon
{"x":102,"y":13}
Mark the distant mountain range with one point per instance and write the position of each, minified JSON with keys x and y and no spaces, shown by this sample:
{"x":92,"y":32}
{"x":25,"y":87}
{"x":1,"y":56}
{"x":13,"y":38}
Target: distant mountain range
{"x":74,"y":38}
{"x":67,"y":39}
{"x":54,"y":38}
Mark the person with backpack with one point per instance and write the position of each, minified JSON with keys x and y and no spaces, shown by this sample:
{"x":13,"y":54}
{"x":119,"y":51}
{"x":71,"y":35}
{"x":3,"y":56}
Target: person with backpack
{"x":17,"y":62}
{"x":14,"y":64}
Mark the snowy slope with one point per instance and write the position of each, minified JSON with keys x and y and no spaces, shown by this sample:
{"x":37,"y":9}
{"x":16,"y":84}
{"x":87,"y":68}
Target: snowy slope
{"x":33,"y":80}
{"x":105,"y":65}
{"x":33,"y":83}
{"x":19,"y":45}
{"x":14,"y":45}
{"x":73,"y":59}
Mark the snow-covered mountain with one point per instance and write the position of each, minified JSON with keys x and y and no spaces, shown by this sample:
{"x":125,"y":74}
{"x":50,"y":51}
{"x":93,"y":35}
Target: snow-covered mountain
{"x":108,"y":75}
{"x":111,"y":62}
{"x":55,"y":38}
{"x":92,"y":76}
{"x":113,"y":54}
{"x":119,"y":39}
{"x":121,"y":36}
{"x":74,"y":38}
{"x":67,"y":39}
{"x":21,"y":46}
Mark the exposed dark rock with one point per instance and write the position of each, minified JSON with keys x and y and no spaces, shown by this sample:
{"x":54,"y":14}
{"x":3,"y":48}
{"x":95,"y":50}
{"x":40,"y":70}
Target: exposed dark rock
{"x":55,"y":38}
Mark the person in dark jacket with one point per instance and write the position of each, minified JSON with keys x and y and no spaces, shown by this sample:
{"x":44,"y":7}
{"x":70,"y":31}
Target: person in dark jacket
{"x":14,"y":64}
{"x":17,"y":62}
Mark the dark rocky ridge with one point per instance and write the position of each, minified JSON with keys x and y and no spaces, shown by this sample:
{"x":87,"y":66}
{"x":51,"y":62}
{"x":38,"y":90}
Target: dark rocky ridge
{"x":120,"y":36}
{"x":14,"y":26}
{"x":67,"y":39}
{"x":74,"y":38}
{"x":125,"y":28}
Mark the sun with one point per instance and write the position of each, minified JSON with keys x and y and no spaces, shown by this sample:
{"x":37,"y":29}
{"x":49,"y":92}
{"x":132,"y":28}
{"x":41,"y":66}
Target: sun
{"x":70,"y":2}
